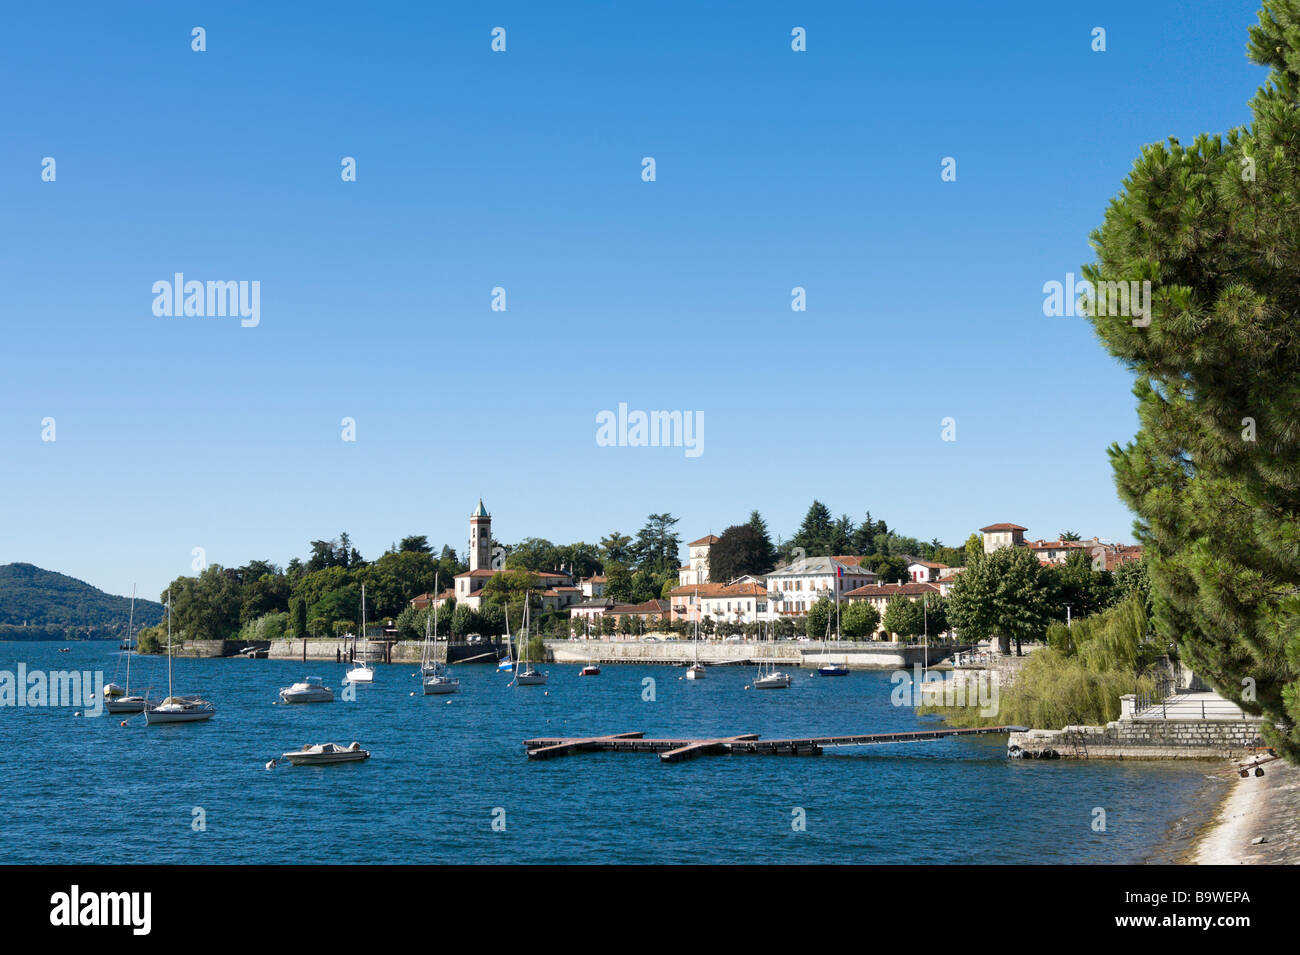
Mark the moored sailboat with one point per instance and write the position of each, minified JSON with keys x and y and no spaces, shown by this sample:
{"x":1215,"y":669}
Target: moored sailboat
{"x":361,"y":671}
{"x":433,"y":675}
{"x":119,"y":699}
{"x":696,"y":670}
{"x":525,"y":673}
{"x":177,"y":709}
{"x":770,"y":678}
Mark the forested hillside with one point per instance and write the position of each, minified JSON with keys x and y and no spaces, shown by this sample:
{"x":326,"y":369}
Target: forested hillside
{"x":38,"y":604}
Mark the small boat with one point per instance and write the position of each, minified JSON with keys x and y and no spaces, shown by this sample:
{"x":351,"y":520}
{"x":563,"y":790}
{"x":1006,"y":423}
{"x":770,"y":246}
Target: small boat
{"x":770,"y":678}
{"x":126,"y":704}
{"x":361,"y":672}
{"x":177,"y":709}
{"x":440,"y":684}
{"x":508,"y":661}
{"x":525,"y":673}
{"x":324,"y":754}
{"x":832,"y":668}
{"x":589,"y":670}
{"x":696,"y":670}
{"x":180,"y":709}
{"x":433,"y":675}
{"x":118,"y":699}
{"x":310,"y":690}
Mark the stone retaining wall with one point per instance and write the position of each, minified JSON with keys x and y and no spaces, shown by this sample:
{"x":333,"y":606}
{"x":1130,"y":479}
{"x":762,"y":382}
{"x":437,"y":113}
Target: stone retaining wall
{"x":1140,"y":739}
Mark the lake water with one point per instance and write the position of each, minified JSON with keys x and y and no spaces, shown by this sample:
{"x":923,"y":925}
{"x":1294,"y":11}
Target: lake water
{"x":77,"y":790}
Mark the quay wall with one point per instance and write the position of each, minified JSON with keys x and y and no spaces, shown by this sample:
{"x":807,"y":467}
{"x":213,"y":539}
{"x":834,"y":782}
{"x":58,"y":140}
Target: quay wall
{"x":1140,"y":739}
{"x":865,"y":656}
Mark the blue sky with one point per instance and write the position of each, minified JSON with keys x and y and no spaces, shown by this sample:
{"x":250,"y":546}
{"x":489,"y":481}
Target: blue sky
{"x":522,"y":170}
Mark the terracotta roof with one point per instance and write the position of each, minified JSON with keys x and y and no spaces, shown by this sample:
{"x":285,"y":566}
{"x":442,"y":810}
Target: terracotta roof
{"x":704,"y":540}
{"x":721,"y":590}
{"x":930,"y":563}
{"x":650,"y":606}
{"x":1003,"y":527}
{"x":423,"y":599}
{"x":891,"y":590}
{"x":487,"y":572}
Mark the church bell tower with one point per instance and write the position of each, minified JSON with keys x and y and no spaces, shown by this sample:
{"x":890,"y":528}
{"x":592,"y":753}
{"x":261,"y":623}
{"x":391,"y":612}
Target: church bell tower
{"x":480,"y":539}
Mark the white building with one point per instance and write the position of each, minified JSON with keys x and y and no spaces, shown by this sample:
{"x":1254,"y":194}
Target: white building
{"x":697,"y":571}
{"x":742,"y":602}
{"x":792,"y":590}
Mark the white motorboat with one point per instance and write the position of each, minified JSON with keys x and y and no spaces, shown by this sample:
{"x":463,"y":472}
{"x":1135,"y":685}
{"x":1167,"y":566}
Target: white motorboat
{"x":310,"y":690}
{"x":177,"y":709}
{"x":324,"y":754}
{"x":362,"y":671}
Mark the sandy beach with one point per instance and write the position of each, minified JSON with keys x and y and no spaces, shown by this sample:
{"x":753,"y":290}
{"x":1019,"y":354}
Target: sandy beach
{"x":1267,"y":806}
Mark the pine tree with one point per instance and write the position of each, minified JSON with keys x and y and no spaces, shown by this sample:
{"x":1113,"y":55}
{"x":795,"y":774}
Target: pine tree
{"x":816,"y":533}
{"x":1214,"y":471}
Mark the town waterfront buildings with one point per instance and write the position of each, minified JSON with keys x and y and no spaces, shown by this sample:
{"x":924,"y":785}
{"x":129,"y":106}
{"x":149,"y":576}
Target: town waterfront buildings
{"x":789,"y":590}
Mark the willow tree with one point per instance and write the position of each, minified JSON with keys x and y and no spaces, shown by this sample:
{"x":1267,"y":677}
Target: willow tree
{"x":1214,"y":470}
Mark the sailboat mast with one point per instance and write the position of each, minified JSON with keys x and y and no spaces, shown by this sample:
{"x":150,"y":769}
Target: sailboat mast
{"x":130,"y":627}
{"x":169,"y":644}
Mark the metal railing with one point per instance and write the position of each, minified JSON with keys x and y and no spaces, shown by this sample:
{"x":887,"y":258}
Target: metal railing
{"x":1173,"y":706}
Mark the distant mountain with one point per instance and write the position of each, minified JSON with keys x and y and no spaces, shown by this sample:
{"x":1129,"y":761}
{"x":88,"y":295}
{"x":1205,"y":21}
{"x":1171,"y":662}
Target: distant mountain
{"x":38,"y":604}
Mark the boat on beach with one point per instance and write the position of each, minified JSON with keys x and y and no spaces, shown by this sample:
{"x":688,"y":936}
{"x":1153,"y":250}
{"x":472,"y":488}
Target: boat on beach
{"x":326,"y":754}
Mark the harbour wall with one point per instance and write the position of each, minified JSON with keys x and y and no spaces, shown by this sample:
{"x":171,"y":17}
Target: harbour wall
{"x":1140,"y":739}
{"x":864,"y":656}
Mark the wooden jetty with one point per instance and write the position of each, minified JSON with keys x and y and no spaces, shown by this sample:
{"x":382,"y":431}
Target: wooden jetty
{"x":676,"y":750}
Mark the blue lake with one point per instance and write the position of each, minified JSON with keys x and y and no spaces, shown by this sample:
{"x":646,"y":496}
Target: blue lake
{"x":85,"y":789}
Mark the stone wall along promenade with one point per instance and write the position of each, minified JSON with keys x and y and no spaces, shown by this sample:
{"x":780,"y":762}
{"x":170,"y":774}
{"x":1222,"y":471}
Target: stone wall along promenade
{"x":1140,"y":739}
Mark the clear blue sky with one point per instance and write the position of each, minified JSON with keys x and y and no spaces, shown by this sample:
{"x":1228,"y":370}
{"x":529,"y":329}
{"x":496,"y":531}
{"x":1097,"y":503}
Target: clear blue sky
{"x":522,"y":170}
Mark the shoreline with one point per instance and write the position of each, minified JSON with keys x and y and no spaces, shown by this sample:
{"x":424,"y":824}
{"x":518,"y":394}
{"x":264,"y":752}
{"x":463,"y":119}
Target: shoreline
{"x":1265,"y":806}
